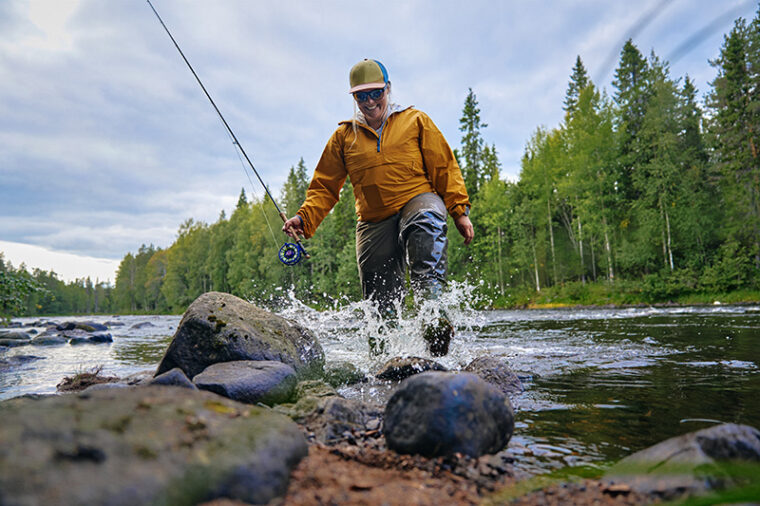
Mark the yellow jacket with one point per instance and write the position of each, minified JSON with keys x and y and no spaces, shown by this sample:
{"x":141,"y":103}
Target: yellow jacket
{"x":408,"y":158}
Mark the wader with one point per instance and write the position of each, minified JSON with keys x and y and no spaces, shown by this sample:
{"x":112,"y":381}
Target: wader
{"x":415,"y":235}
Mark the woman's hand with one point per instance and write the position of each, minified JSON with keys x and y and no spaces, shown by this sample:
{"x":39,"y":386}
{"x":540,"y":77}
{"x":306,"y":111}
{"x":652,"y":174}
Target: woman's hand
{"x":464,"y":225}
{"x":293,"y":227}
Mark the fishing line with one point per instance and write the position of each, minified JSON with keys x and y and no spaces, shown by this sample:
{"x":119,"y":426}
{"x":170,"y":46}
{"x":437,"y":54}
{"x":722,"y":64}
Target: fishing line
{"x":289,"y":254}
{"x":253,"y":190}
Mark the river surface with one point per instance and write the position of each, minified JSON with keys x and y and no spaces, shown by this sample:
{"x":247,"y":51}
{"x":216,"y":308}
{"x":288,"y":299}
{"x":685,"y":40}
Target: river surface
{"x":599,"y":383}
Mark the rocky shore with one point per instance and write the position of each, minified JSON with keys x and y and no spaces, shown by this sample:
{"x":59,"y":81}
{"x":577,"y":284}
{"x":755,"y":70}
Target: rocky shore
{"x":242,"y":410}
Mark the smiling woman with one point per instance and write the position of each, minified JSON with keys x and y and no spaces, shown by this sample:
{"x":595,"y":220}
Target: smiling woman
{"x":68,"y":266}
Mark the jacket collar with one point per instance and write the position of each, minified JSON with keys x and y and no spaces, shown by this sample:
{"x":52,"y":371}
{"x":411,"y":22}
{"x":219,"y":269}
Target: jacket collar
{"x":359,"y":117}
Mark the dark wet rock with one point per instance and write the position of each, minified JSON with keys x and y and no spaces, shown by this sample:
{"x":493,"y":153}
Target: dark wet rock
{"x":337,"y":419}
{"x":219,"y":327}
{"x":13,"y":343}
{"x":92,"y":326}
{"x":693,"y":463}
{"x":399,"y":368}
{"x":152,"y":445}
{"x":141,"y":325}
{"x":101,"y":337}
{"x":16,"y":335}
{"x":74,"y":333}
{"x":176,"y":377}
{"x":343,"y":373}
{"x":66,"y":326}
{"x":111,"y":323}
{"x":48,"y":340}
{"x":249,"y":381}
{"x":15,"y":325}
{"x":496,"y":372}
{"x":439,"y":413}
{"x":79,"y":340}
{"x":15,"y":361}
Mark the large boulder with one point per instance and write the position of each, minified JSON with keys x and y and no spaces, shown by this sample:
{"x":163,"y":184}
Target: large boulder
{"x":440,"y":413}
{"x":689,"y":464}
{"x":219,"y":327}
{"x":496,"y":372}
{"x":150,"y":445}
{"x":249,"y":381}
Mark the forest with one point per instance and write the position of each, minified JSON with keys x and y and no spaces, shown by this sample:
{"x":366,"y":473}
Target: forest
{"x":643,"y":195}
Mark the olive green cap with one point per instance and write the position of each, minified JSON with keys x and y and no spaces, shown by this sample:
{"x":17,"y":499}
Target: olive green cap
{"x":367,"y":75}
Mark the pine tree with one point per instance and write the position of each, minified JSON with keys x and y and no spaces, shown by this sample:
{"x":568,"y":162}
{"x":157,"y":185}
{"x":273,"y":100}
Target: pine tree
{"x":578,"y":81}
{"x":294,"y":190}
{"x":471,"y":152}
{"x":631,"y":97}
{"x":735,"y":133}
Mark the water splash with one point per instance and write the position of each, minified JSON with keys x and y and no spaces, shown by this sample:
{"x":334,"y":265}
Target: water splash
{"x":347,"y":327}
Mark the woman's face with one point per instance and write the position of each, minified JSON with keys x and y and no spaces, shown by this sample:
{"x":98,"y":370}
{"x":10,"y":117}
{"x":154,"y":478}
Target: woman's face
{"x":374,"y":110}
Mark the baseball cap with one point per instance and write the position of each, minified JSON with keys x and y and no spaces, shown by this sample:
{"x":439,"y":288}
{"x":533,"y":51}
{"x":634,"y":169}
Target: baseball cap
{"x":366,"y":75}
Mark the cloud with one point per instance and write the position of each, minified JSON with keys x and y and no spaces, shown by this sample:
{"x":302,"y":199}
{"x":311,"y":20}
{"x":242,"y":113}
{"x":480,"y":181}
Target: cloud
{"x":107,"y":142}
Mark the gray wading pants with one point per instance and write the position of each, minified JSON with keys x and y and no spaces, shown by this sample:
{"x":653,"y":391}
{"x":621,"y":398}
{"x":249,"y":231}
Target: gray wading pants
{"x":417,"y":235}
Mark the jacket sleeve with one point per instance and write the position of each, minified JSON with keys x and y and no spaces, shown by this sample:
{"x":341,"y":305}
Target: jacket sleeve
{"x":442,"y":168}
{"x":325,"y":186}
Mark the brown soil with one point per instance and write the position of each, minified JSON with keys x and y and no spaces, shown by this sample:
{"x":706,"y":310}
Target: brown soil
{"x":366,"y":473}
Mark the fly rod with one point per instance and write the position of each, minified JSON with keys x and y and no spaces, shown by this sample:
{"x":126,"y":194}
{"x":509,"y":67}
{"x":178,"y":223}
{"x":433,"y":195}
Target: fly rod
{"x":289,"y":254}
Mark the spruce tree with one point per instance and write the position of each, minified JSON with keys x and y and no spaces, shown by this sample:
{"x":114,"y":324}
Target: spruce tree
{"x":578,"y":81}
{"x":735,"y":133}
{"x":471,"y":152}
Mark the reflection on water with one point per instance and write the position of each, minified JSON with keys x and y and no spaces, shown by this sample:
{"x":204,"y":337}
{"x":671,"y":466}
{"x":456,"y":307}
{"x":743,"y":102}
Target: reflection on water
{"x":136,"y":347}
{"x":599,"y":383}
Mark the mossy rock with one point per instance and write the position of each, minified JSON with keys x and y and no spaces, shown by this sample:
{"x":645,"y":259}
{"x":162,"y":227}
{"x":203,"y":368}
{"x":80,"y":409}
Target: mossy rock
{"x":219,"y":327}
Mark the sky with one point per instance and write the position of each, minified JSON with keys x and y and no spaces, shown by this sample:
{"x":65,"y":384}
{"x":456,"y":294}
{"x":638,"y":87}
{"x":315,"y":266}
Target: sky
{"x":108,"y":143}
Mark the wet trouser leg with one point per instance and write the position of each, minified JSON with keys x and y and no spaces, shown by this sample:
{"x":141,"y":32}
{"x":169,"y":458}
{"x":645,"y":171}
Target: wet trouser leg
{"x":422,"y":232}
{"x":418,"y":232}
{"x":381,"y":261}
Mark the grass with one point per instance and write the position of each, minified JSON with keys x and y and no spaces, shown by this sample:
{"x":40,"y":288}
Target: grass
{"x":83,"y":379}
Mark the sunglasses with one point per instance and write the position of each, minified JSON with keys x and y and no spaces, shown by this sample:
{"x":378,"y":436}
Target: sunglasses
{"x":363,"y":96}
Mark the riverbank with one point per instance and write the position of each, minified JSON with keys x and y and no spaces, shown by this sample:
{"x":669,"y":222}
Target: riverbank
{"x":622,"y":294}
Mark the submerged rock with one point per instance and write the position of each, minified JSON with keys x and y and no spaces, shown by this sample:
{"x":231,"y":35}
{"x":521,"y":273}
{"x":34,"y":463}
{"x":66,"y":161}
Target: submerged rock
{"x":399,"y":368}
{"x":152,"y":445}
{"x":689,"y":464}
{"x":16,"y":335}
{"x":48,"y":340}
{"x":249,"y":381}
{"x":13,"y":343}
{"x":141,"y":325}
{"x":439,"y":413}
{"x":219,"y":327}
{"x":343,"y":373}
{"x":496,"y":372}
{"x":16,"y":360}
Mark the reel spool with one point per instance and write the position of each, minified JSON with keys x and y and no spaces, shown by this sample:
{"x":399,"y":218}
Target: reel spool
{"x":290,"y":254}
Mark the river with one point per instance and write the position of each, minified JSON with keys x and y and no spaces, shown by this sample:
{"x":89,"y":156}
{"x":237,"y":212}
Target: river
{"x":599,"y":383}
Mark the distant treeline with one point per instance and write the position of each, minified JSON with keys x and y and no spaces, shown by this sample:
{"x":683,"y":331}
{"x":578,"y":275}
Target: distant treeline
{"x":24,"y":293}
{"x":647,"y":192}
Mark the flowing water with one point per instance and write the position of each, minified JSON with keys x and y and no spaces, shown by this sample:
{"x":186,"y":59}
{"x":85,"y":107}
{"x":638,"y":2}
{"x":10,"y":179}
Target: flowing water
{"x":599,"y":383}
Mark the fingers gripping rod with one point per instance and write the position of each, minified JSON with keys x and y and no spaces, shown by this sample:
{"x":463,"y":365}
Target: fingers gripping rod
{"x":232,"y":134}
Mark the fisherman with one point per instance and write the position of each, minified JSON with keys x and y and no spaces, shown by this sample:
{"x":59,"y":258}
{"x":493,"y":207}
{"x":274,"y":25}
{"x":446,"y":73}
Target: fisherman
{"x":405,"y":180}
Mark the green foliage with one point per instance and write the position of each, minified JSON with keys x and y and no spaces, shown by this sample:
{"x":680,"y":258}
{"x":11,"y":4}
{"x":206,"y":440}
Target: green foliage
{"x":634,"y":198}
